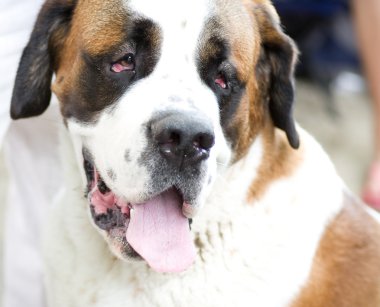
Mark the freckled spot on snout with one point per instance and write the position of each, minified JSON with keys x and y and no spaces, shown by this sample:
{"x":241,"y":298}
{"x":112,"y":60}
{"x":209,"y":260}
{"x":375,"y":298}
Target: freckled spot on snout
{"x":190,"y":101}
{"x":111,"y":174}
{"x":174,"y":98}
{"x":127,"y":156}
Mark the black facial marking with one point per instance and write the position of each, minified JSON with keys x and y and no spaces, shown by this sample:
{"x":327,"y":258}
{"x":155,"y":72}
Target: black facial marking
{"x":106,"y":221}
{"x":146,"y":34}
{"x":102,"y":187}
{"x":98,"y":86}
{"x":88,"y":168}
{"x":111,"y":174}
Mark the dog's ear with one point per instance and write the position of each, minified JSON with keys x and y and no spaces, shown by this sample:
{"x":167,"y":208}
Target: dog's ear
{"x":276,"y":65}
{"x":31,"y":92}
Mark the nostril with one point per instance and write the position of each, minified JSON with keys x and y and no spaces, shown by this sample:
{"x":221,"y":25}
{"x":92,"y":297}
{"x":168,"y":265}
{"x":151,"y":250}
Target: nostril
{"x":168,"y":142}
{"x":204,"y":141}
{"x":167,"y":136}
{"x":175,"y":137}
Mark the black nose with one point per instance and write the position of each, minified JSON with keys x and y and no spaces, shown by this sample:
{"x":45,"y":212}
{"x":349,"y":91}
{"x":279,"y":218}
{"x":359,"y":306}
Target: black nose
{"x":183,"y":139}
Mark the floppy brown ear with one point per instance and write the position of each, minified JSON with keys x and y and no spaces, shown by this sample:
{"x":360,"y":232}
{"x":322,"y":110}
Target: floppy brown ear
{"x":277,"y":61}
{"x":31,"y":91}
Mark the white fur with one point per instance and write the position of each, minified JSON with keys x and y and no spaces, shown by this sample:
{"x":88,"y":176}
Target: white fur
{"x":248,"y":253}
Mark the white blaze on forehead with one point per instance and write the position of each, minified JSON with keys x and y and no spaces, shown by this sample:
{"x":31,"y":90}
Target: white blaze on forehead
{"x":181,"y":24}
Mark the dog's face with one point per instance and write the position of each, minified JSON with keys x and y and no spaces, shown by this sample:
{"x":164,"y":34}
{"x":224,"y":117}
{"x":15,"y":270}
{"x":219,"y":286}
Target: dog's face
{"x":159,"y":97}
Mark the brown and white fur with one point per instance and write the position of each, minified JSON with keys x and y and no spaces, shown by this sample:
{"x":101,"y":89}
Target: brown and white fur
{"x":273,"y":224}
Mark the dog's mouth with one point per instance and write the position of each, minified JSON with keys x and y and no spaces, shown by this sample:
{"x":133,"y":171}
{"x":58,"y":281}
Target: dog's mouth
{"x":155,"y":230}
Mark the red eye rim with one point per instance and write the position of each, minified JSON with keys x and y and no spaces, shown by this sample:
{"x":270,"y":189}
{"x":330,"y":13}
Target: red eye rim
{"x":126,"y":63}
{"x":221,"y":81}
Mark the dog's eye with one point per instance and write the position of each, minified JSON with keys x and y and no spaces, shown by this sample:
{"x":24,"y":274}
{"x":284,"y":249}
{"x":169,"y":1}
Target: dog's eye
{"x":221,"y":81}
{"x":126,"y":63}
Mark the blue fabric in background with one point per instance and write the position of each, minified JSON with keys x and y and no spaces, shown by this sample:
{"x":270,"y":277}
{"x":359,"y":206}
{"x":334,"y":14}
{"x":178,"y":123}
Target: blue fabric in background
{"x":315,"y":26}
{"x":321,"y":7}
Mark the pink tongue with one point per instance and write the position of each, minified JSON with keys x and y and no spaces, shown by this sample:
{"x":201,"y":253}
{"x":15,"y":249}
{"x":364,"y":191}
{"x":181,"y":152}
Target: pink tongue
{"x":160,"y":233}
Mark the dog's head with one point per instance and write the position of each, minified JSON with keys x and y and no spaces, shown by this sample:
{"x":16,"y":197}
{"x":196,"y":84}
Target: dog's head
{"x":158,"y":96}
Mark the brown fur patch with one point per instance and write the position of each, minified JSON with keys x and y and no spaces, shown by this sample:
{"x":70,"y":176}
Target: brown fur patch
{"x":236,"y":18}
{"x":268,"y":73}
{"x":250,"y":116}
{"x":249,"y":119}
{"x":95,"y":31}
{"x":279,"y":161}
{"x":346,"y":269}
{"x":99,"y":24}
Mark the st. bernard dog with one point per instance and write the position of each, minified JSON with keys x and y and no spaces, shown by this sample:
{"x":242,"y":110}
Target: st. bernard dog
{"x":188,"y":181}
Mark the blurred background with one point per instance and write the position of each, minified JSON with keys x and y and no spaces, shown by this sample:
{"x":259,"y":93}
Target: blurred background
{"x":332,"y":100}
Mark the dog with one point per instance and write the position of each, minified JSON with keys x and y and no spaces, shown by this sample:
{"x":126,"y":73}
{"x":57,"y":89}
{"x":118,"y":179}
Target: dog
{"x":200,"y":188}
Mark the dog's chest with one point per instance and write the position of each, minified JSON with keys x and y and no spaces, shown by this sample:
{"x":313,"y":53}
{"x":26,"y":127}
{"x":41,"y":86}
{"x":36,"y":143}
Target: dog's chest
{"x":239,"y":263}
{"x":248,"y":254}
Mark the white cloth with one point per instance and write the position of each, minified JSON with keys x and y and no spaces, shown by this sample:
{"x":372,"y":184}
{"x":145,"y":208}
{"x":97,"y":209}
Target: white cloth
{"x":30,"y":148}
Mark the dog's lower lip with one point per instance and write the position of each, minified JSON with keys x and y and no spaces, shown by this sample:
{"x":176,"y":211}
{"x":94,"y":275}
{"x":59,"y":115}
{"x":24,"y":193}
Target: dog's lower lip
{"x":93,"y":175}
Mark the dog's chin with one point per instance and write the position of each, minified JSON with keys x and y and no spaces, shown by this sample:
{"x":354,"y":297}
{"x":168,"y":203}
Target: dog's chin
{"x":156,"y":230}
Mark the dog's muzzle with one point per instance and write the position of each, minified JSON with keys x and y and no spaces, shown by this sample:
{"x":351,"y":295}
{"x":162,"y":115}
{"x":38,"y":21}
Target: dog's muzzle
{"x":156,"y":228}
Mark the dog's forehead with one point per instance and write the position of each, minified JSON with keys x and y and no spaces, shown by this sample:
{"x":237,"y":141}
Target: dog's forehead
{"x":181,"y":24}
{"x":172,"y":13}
{"x":188,"y":27}
{"x":175,"y":42}
{"x":102,"y":24}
